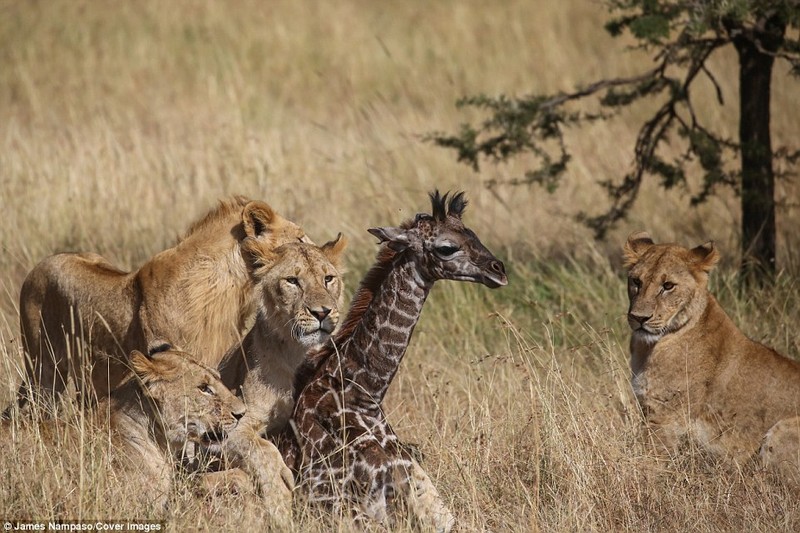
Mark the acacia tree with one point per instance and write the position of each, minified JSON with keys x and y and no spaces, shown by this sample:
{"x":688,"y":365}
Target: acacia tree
{"x":682,"y":35}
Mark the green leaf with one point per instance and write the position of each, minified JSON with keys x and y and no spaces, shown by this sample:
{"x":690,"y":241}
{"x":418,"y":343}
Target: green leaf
{"x":671,"y":175}
{"x":652,"y":28}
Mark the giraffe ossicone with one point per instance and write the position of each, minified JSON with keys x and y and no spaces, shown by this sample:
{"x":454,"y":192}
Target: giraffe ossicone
{"x":343,"y":451}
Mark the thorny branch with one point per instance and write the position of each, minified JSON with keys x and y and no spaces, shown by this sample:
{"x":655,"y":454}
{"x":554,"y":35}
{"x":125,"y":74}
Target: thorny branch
{"x":537,"y":124}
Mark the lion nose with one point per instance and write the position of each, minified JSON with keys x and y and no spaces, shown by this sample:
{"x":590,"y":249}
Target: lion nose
{"x":320,"y":314}
{"x":238,"y":414}
{"x":639,"y":318}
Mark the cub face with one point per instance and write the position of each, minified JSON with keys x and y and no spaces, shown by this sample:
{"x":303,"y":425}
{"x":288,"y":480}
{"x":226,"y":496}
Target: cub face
{"x":300,"y":287}
{"x":666,"y":284}
{"x":192,"y":402}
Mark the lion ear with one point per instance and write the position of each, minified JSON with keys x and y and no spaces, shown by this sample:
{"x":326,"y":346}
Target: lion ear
{"x":157,"y":346}
{"x":159,"y":367}
{"x":256,"y":254}
{"x":706,"y":256}
{"x":333,"y":250}
{"x":143,"y":366}
{"x":257,"y":219}
{"x":636,"y":245}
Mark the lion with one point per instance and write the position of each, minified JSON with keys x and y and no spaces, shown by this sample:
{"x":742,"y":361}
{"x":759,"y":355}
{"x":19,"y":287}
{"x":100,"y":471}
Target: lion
{"x":694,"y":373}
{"x":143,"y":434}
{"x":80,"y":316}
{"x":170,"y":403}
{"x":300,"y":289}
{"x":175,"y":405}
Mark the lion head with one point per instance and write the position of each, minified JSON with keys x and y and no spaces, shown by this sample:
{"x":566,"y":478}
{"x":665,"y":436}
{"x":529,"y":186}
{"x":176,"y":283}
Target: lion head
{"x":666,"y":284}
{"x":299,"y":287}
{"x":191,"y":402}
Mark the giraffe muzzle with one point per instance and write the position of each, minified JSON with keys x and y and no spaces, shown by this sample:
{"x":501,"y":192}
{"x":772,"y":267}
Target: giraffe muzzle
{"x":494,"y":275}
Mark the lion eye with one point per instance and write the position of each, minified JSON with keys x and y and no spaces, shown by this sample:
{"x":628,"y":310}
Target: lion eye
{"x":205,"y":388}
{"x":635,"y":284}
{"x":668,"y":286}
{"x":293,"y":281}
{"x":328,"y":279}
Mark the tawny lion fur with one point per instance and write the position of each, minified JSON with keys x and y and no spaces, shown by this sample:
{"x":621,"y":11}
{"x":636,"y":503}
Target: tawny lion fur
{"x":169,"y":405}
{"x":296,"y":284}
{"x":171,"y":402}
{"x":694,"y":373}
{"x":80,"y":316}
{"x":299,"y":291}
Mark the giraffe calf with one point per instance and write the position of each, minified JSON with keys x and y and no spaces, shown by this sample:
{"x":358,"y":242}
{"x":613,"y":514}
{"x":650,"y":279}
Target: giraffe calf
{"x":342,"y":449}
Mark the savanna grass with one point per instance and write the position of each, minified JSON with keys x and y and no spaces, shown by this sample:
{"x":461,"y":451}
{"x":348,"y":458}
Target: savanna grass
{"x":122,"y":122}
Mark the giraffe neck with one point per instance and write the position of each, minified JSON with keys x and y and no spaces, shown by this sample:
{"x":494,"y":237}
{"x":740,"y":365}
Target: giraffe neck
{"x":379,"y":342}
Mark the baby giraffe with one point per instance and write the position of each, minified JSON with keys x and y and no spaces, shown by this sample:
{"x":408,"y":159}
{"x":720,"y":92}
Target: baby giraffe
{"x":339,"y":443}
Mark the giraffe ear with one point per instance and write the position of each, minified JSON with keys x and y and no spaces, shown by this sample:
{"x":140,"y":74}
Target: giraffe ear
{"x":396,"y":238}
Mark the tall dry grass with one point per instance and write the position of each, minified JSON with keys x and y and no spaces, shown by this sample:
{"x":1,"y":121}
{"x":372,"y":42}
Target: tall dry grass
{"x":122,"y":122}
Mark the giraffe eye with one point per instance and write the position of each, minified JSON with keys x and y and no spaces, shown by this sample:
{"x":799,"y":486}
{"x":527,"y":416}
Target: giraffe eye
{"x":446,"y":250}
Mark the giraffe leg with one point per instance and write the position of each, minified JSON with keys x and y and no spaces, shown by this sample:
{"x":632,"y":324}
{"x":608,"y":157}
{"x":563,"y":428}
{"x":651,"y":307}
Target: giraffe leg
{"x":425,"y":503}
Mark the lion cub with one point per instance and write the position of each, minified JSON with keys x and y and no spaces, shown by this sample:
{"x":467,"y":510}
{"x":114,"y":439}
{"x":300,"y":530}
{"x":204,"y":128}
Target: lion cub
{"x":139,"y":436}
{"x":172,"y":402}
{"x":694,"y":373}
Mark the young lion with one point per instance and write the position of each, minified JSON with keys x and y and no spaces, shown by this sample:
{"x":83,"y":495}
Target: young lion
{"x":171,"y":401}
{"x":80,"y":314}
{"x":299,"y":290}
{"x":139,"y":435}
{"x":694,"y":373}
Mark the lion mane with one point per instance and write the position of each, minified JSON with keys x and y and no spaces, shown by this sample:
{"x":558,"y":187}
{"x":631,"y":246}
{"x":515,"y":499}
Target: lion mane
{"x":80,"y":316}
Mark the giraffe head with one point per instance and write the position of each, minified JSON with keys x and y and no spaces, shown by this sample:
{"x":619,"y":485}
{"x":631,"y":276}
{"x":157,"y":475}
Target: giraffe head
{"x":443,"y":247}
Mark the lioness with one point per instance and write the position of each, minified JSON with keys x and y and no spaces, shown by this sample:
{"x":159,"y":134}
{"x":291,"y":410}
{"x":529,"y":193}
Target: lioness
{"x":171,"y":401}
{"x":299,"y":290}
{"x":169,"y":405}
{"x":77,"y":308}
{"x":694,"y":373}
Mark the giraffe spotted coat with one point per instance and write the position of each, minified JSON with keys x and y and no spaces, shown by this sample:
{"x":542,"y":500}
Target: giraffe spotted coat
{"x":339,"y":443}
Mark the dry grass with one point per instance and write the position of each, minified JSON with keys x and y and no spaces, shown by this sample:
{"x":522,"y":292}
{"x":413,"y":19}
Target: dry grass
{"x":122,"y":122}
